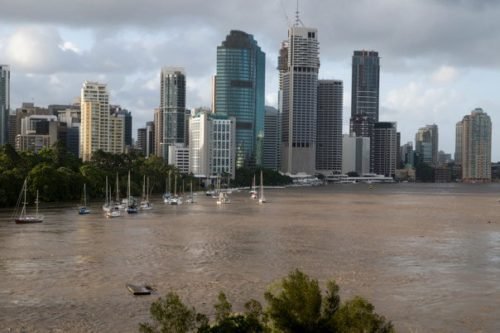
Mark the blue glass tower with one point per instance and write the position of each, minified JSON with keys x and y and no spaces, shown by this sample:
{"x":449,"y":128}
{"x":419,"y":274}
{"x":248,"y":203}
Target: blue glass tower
{"x":239,"y":93}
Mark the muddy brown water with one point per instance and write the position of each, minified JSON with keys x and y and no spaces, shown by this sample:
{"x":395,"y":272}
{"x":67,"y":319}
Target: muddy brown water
{"x":427,"y":256}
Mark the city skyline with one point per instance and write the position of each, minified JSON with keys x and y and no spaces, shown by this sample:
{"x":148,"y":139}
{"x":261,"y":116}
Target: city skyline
{"x":433,"y":70}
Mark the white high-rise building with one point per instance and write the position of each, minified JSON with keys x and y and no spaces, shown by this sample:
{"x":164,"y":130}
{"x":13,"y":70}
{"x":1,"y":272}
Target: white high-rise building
{"x":355,"y":154}
{"x":212,"y":145}
{"x":99,"y":129}
{"x":298,"y":64}
{"x":4,"y":103}
{"x":476,"y":147}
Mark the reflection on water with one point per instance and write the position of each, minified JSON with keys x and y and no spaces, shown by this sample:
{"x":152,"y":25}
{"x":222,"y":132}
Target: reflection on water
{"x":427,"y":256}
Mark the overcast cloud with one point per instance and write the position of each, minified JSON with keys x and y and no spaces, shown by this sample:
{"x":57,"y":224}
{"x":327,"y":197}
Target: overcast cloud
{"x":439,"y":57}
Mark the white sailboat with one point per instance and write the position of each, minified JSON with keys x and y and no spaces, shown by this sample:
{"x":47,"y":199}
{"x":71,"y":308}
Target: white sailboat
{"x":175,"y":199}
{"x":23,"y":216}
{"x":107,"y":205}
{"x":190,"y":200}
{"x":122,"y":204}
{"x":262,"y":199}
{"x":83,"y":210}
{"x":223,"y":197}
{"x":253,"y":190}
{"x":167,"y":194}
{"x":145,"y":204}
{"x":131,"y":204}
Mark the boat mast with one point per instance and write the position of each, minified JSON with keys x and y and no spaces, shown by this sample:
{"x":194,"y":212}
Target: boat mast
{"x":36,"y":202}
{"x":25,"y":185}
{"x":85,"y":195}
{"x":117,"y":190}
{"x":175,"y":185}
{"x":128,"y":189}
{"x":106,"y":200}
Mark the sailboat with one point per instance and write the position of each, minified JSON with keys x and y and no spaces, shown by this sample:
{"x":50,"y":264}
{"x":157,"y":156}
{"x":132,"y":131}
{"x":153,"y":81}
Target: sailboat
{"x":222,"y":198}
{"x":167,"y":194}
{"x":23,"y":216}
{"x":253,"y":191}
{"x":191,"y":198}
{"x":131,"y":204}
{"x":145,"y":204}
{"x":175,"y":199}
{"x":111,"y":210}
{"x":262,"y":199}
{"x":107,"y":205}
{"x":83,"y":210}
{"x":123,"y":203}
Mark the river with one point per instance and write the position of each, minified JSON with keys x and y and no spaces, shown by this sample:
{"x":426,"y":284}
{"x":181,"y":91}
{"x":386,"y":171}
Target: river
{"x":426,"y":255}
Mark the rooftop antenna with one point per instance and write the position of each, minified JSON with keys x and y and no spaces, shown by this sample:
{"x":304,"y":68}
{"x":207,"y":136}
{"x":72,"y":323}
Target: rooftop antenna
{"x":297,"y":18}
{"x":284,"y":12}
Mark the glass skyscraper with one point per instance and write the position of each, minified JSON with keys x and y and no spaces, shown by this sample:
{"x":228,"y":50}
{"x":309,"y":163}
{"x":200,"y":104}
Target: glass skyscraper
{"x":365,"y":84}
{"x":365,"y":96}
{"x":172,"y":109}
{"x":239,"y":92}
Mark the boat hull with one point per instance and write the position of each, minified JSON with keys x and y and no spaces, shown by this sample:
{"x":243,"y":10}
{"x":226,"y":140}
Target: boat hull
{"x":28,"y":220}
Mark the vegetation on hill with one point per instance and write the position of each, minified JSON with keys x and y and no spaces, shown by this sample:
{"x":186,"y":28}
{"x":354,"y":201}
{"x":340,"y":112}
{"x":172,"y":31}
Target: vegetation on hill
{"x":295,"y":305}
{"x":59,"y":175}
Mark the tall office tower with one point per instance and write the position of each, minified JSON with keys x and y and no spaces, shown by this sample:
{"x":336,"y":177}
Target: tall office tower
{"x":365,"y":84}
{"x":298,"y":66}
{"x":127,"y":117}
{"x":426,"y":144}
{"x":355,"y":154}
{"x":212,"y":145}
{"x":385,"y":136}
{"x":12,"y":130}
{"x":150,"y":138}
{"x":4,"y":103}
{"x":365,"y":95}
{"x":272,"y":139}
{"x":69,"y":117}
{"x":99,"y":129}
{"x":329,"y":127}
{"x":158,"y":125}
{"x":476,"y":147}
{"x":407,"y":154}
{"x":458,"y":143}
{"x":240,"y":93}
{"x":172,"y":109}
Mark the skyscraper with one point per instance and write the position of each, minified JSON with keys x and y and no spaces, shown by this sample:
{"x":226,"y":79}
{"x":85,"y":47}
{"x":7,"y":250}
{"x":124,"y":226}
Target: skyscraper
{"x":365,"y":84}
{"x":385,"y":136}
{"x":458,"y":143}
{"x":99,"y":129}
{"x":212,"y":145}
{"x":329,"y":126}
{"x":239,"y":92}
{"x":4,"y":103}
{"x":365,"y":95}
{"x":272,"y":139}
{"x":172,"y":109}
{"x":298,"y":66}
{"x":476,"y":147}
{"x":426,"y":144}
{"x":127,"y":117}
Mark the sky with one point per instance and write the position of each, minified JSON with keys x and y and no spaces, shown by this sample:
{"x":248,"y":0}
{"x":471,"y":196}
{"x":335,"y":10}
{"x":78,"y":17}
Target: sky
{"x":439,"y":58}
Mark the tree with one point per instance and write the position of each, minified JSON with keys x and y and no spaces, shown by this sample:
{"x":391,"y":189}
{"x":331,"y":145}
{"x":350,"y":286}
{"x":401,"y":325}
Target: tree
{"x":299,"y":306}
{"x":357,"y":316}
{"x":170,"y":315}
{"x":295,"y":305}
